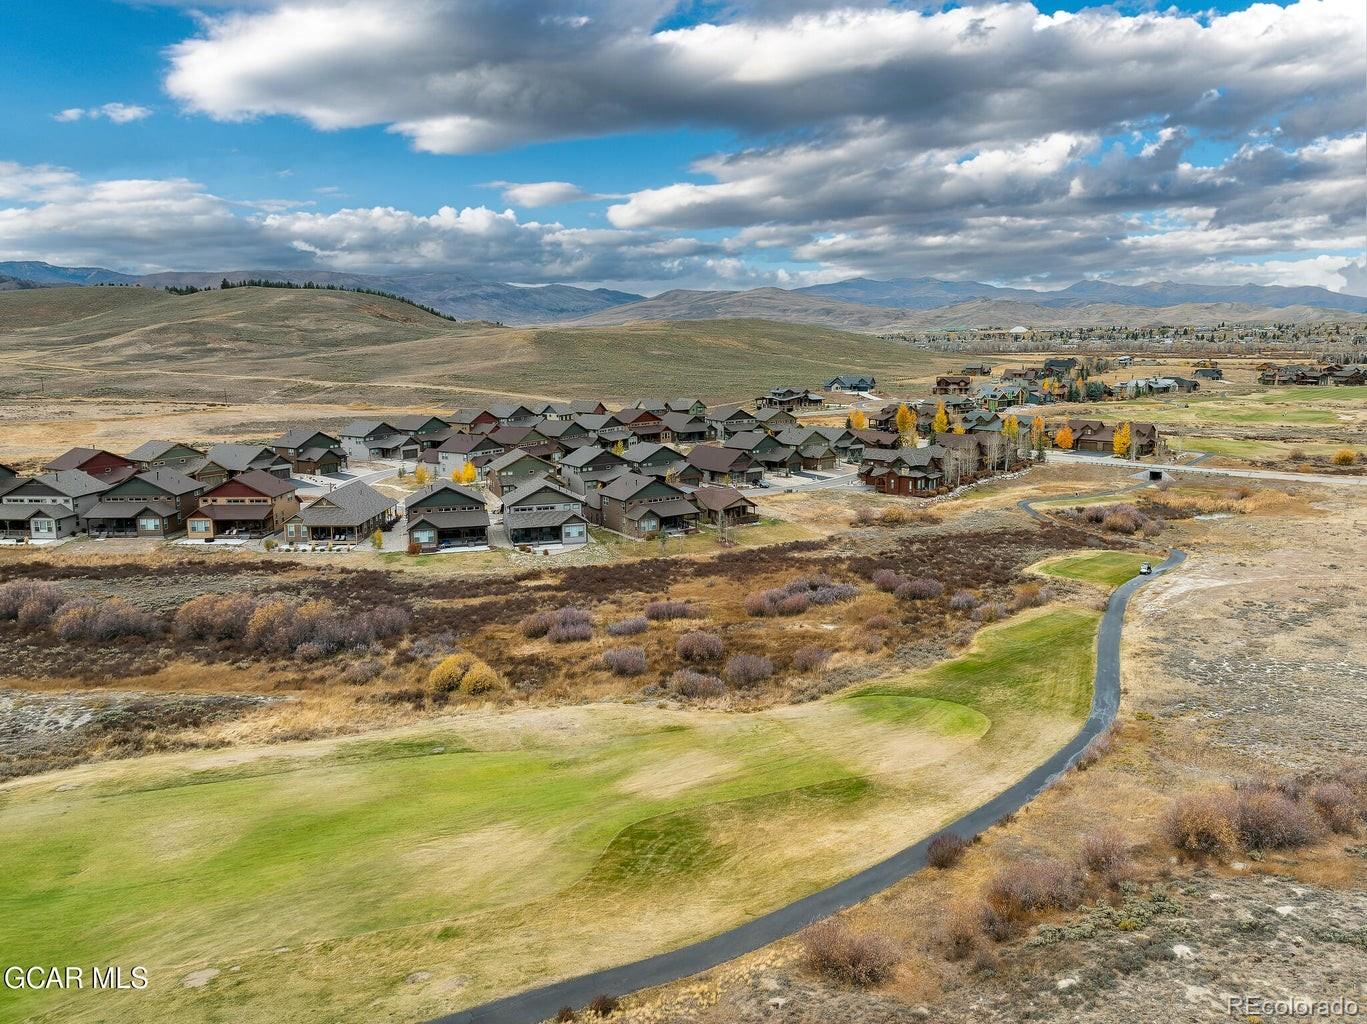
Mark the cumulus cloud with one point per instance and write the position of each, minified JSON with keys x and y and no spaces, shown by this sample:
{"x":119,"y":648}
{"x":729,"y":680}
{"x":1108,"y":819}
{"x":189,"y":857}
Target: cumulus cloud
{"x":458,"y":77}
{"x":119,"y":113}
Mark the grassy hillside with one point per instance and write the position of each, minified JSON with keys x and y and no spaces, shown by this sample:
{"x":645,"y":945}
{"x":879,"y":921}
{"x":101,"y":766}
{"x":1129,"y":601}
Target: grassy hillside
{"x":553,"y":841}
{"x":255,"y":344}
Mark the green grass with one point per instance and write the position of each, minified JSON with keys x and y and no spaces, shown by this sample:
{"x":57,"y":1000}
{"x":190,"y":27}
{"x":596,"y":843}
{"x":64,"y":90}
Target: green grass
{"x":1104,"y":568}
{"x":1254,"y":450}
{"x":502,"y":849}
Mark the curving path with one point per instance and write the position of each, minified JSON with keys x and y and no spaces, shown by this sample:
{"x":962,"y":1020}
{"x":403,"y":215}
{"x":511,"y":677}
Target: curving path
{"x":541,"y":1003}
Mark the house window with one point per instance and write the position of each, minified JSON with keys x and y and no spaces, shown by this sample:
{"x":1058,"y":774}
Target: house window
{"x":574,"y":531}
{"x":149,"y":524}
{"x":424,"y":536}
{"x":43,"y":527}
{"x":199,"y":526}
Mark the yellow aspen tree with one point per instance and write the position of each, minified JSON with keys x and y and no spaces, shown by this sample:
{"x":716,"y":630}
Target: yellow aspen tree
{"x":1120,"y":440}
{"x":941,"y":421}
{"x":1064,"y":438}
{"x":858,"y":421}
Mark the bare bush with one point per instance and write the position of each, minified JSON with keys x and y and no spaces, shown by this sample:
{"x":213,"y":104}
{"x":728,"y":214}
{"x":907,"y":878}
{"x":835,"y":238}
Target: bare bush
{"x":604,"y":1006}
{"x":746,"y":670}
{"x":992,"y":611}
{"x":1097,"y":747}
{"x":536,"y":625}
{"x":1029,"y":886}
{"x":625,"y":661}
{"x":1032,"y":595}
{"x":629,"y":627}
{"x":794,"y":604}
{"x":570,"y":632}
{"x":962,"y":601}
{"x":696,"y":645}
{"x":1335,"y":804}
{"x":358,"y":673}
{"x":1203,"y":823}
{"x":1270,"y":821}
{"x":887,"y":580}
{"x":215,"y":617}
{"x":30,"y":602}
{"x":86,"y":619}
{"x":962,"y":932}
{"x":809,"y":658}
{"x":880,"y":622}
{"x":687,"y":682}
{"x":664,"y":610}
{"x":1123,"y":518}
{"x":1105,"y":852}
{"x":919,"y":589}
{"x":892,"y":517}
{"x":852,"y":958}
{"x":834,"y":593}
{"x":946,"y":850}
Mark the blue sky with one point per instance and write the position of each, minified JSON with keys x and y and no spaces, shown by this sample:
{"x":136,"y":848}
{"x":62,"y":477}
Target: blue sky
{"x":727,"y":144}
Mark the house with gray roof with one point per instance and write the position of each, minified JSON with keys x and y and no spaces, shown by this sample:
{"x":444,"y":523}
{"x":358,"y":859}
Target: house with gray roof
{"x":165,"y":455}
{"x":639,"y":506}
{"x":346,"y":514}
{"x":311,"y":452}
{"x":540,"y":512}
{"x":445,"y":515}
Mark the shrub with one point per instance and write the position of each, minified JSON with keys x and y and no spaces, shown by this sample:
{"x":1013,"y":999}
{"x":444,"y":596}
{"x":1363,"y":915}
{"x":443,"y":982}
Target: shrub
{"x":1105,"y":853}
{"x":797,"y":596}
{"x":864,"y":517}
{"x":810,"y":658}
{"x":794,"y":604}
{"x":698,"y":646}
{"x":661,"y":610}
{"x":989,"y":612}
{"x":1270,"y":821}
{"x":853,"y":958}
{"x":919,"y":590}
{"x":1097,"y":747}
{"x":946,"y":850}
{"x":358,"y":673}
{"x":536,"y":625}
{"x":414,"y":548}
{"x":962,"y":601}
{"x":570,"y":632}
{"x":463,"y":672}
{"x":892,"y":517}
{"x":834,"y":593}
{"x":1123,"y":519}
{"x":888,"y":580}
{"x":879,"y":622}
{"x":995,"y":925}
{"x":32,"y":602}
{"x":1203,"y":823}
{"x":747,"y":670}
{"x":687,"y":682}
{"x":963,"y":929}
{"x":215,"y":617}
{"x":1334,"y":803}
{"x":1028,"y":886}
{"x":625,"y":661}
{"x":604,"y":1005}
{"x":629,"y":627}
{"x":1344,"y":457}
{"x":565,"y":1015}
{"x":1032,"y":595}
{"x":90,"y":620}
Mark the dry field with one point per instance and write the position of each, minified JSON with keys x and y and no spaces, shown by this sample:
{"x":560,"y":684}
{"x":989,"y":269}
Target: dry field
{"x":1240,"y":666}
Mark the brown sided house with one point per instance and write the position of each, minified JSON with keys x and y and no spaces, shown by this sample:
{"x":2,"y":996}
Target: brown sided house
{"x":95,"y":461}
{"x":346,"y":514}
{"x":725,"y":465}
{"x":225,"y":461}
{"x":639,"y":506}
{"x":955,"y":384}
{"x":251,"y":504}
{"x":904,"y":471}
{"x":165,"y":455}
{"x":445,"y":515}
{"x":717,"y":503}
{"x":1096,"y":436}
{"x":311,"y":452}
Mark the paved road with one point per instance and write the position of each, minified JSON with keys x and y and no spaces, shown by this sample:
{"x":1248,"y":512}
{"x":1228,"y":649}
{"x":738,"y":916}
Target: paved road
{"x":1054,"y":455}
{"x":541,"y":1003}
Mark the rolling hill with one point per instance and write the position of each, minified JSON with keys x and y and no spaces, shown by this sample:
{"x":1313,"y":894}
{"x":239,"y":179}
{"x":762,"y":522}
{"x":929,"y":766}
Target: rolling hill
{"x":288,"y":345}
{"x":798,"y":307}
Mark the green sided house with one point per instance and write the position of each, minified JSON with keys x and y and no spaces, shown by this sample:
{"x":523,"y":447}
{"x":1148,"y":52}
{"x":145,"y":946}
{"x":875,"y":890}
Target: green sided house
{"x":540,"y":513}
{"x":252,"y":504}
{"x":311,"y":452}
{"x":445,"y":515}
{"x":345,"y":515}
{"x":152,"y":504}
{"x":514,"y":468}
{"x":165,"y":455}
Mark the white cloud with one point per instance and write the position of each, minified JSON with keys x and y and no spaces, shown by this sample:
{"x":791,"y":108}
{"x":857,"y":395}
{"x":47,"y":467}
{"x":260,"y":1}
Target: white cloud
{"x":541,"y":193}
{"x":119,"y":113}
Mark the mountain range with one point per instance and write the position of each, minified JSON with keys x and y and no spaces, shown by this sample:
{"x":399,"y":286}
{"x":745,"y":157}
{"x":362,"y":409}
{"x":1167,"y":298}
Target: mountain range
{"x":861,"y":304}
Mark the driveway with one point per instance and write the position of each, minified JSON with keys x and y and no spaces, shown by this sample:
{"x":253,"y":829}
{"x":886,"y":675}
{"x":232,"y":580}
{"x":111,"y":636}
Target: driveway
{"x":541,"y":1003}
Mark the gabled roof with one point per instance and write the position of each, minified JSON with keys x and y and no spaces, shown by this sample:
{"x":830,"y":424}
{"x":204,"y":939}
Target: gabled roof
{"x":625,"y":486}
{"x":581,"y":457}
{"x":728,"y":412}
{"x":240,"y":457}
{"x":746,"y":440}
{"x":595,"y":421}
{"x":260,"y":481}
{"x":416,"y":421}
{"x":445,"y":486}
{"x":511,"y":435}
{"x":684,"y":422}
{"x":75,"y":458}
{"x":464,"y":444}
{"x":533,"y":486}
{"x":365,"y":428}
{"x":679,"y":506}
{"x":170,"y":481}
{"x":348,"y":505}
{"x":513,"y":456}
{"x":767,"y":414}
{"x":150,"y":451}
{"x":509,"y":410}
{"x":20,"y":512}
{"x":73,"y":483}
{"x":450,"y":520}
{"x":130,"y":509}
{"x":299,"y":438}
{"x":718,"y":498}
{"x":642,"y":450}
{"x":716,"y":459}
{"x":467,"y":416}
